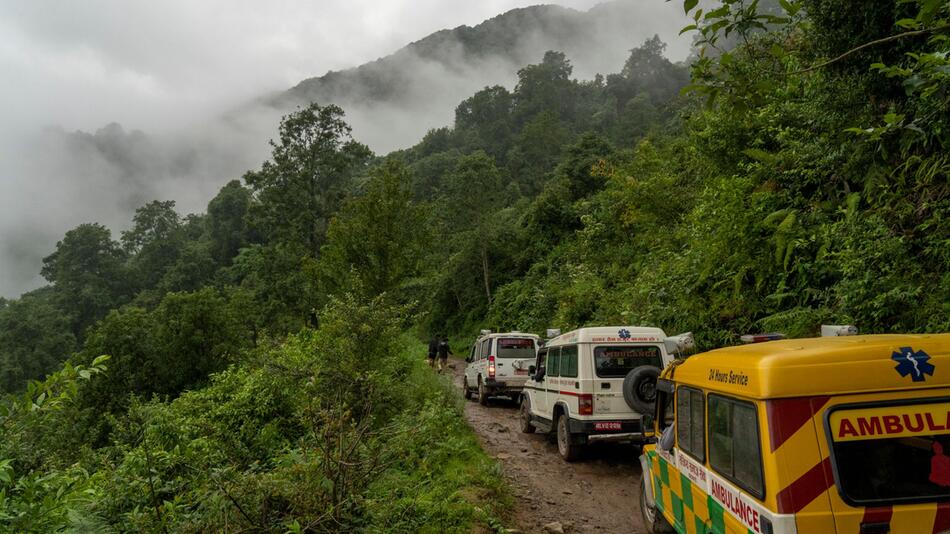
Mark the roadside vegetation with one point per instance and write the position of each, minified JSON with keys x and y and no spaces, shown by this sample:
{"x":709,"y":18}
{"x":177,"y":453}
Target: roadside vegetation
{"x":259,"y":375}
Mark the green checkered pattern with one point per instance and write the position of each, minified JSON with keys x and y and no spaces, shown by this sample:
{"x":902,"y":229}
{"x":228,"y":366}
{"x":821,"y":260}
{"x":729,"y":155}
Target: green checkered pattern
{"x":676,"y":497}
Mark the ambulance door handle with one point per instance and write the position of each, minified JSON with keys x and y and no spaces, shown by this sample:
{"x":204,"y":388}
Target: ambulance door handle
{"x":875,"y":528}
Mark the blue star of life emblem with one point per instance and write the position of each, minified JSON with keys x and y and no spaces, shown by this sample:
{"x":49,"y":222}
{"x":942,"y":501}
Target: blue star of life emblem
{"x":913,"y":363}
{"x":624,"y":333}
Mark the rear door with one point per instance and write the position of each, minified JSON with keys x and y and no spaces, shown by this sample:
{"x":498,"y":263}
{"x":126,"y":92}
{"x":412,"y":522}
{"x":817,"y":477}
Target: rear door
{"x":513,"y":357}
{"x":541,"y":406}
{"x":470,"y":373}
{"x":891,"y":461}
{"x":611,"y":363}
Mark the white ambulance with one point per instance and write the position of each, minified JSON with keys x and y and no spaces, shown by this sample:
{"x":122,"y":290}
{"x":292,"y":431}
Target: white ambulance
{"x":498,"y":364}
{"x":594,"y":383}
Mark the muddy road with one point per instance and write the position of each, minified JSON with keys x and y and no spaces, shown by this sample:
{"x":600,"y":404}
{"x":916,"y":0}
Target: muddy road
{"x":595,"y":494}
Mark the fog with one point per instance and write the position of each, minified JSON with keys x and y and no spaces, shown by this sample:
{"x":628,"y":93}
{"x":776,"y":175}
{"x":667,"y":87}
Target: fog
{"x":109,"y":104}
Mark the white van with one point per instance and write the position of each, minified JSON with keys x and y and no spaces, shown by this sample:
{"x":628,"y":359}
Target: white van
{"x":594,"y":384}
{"x":498,"y":364}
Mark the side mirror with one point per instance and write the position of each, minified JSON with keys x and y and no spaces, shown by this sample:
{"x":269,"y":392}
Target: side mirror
{"x":646,"y":425}
{"x":539,"y":376}
{"x":468,"y":359}
{"x":531,"y":370}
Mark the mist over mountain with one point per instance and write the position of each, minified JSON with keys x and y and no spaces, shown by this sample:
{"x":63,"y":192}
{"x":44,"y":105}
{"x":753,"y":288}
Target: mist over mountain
{"x":393,"y":101}
{"x":53,"y":180}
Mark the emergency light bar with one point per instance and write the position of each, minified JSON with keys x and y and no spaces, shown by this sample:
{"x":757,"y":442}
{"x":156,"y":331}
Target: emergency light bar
{"x":552,"y":332}
{"x":484,"y":332}
{"x":759,"y":338}
{"x":680,"y":342}
{"x":835,"y":330}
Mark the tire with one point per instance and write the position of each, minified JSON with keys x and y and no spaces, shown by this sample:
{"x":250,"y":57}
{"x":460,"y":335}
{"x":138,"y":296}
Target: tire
{"x":466,"y":391}
{"x":482,"y":393}
{"x":653,"y":520}
{"x":639,"y":388}
{"x":566,"y":447}
{"x":525,"y":416}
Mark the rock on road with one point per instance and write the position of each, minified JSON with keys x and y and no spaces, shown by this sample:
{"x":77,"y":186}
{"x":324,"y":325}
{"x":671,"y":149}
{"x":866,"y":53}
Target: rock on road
{"x":598,"y":493}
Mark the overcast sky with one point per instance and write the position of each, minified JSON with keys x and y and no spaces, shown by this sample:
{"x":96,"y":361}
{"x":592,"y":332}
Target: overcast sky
{"x":151,"y":64}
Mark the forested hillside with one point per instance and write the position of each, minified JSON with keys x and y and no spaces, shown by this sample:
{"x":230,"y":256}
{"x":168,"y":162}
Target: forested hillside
{"x":258,"y":366}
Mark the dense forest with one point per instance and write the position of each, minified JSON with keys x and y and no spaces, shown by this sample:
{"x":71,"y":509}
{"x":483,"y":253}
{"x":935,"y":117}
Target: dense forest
{"x":259,"y":366}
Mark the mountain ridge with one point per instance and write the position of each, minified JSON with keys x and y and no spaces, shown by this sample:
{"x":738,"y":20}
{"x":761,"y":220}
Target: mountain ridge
{"x":595,"y":40}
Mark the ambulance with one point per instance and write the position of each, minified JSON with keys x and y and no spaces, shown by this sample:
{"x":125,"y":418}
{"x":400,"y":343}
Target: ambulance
{"x":832,"y":434}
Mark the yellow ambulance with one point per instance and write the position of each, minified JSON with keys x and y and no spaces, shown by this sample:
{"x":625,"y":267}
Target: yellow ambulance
{"x":833,"y":434}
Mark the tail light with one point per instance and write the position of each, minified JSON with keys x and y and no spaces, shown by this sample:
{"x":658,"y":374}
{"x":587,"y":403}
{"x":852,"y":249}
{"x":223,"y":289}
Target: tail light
{"x":491,"y":367}
{"x":586,"y":404}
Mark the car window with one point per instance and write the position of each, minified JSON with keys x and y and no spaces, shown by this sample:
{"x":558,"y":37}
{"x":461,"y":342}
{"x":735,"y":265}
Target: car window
{"x":890,"y":454}
{"x":734,"y":447}
{"x":486,"y":348}
{"x":542,"y":357}
{"x":569,"y":361}
{"x":471,"y":355}
{"x":554,"y":362}
{"x":690,"y":422}
{"x":617,"y":361}
{"x":512,"y":347}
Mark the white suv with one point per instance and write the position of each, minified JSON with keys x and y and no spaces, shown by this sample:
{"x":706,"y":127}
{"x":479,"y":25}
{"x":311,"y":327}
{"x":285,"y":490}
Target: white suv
{"x":498,"y":364}
{"x":594,"y":384}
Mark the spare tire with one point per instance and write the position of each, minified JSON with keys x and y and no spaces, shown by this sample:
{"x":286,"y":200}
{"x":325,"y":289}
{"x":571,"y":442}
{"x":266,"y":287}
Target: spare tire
{"x":639,"y":388}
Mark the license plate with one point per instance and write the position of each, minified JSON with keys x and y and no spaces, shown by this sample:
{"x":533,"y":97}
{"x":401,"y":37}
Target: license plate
{"x":607,"y":425}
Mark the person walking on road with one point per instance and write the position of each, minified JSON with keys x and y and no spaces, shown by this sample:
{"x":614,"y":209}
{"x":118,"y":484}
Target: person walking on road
{"x":433,"y":351}
{"x":444,"y":352}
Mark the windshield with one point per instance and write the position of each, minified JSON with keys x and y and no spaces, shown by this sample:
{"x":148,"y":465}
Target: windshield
{"x":521,"y":347}
{"x":893,"y":454}
{"x":617,"y":361}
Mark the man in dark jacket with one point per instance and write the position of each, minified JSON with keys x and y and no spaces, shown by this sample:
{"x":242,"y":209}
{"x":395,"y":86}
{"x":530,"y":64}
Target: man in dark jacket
{"x":433,"y":351}
{"x":444,"y":352}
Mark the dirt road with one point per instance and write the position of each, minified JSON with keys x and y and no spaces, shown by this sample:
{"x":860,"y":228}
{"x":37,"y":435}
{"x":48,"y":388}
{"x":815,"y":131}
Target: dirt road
{"x":596,"y":494}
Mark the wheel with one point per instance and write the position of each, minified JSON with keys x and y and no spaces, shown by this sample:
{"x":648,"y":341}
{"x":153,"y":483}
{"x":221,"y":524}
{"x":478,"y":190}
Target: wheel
{"x":525,"y":416}
{"x":566,"y":447}
{"x":515,"y":397}
{"x":466,"y":391}
{"x":639,"y":388}
{"x":482,"y":394}
{"x":653,"y":520}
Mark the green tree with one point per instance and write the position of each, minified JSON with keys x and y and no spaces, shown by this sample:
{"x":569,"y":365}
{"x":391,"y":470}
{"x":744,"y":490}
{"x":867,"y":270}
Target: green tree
{"x":227,"y":221}
{"x":161,"y":352}
{"x":486,"y":118}
{"x":378,"y":237}
{"x":35,"y":339}
{"x":475,"y":191}
{"x":88,"y":273}
{"x":154,"y":242}
{"x":546,"y":86}
{"x":308,"y":177}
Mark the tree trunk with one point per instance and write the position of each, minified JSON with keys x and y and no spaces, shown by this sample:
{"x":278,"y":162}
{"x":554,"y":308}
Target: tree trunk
{"x":485,"y":274}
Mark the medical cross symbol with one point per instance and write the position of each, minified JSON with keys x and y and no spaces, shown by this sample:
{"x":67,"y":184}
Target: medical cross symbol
{"x":624,"y":333}
{"x":913,"y":363}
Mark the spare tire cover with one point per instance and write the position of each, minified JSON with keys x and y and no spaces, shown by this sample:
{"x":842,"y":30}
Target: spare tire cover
{"x":639,"y":388}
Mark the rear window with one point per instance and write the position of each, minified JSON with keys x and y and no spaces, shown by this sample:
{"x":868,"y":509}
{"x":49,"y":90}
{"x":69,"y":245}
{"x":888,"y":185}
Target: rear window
{"x":612,"y":362}
{"x":892,"y":454}
{"x":516,"y":348}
